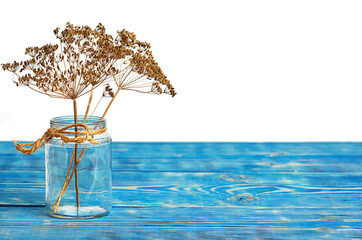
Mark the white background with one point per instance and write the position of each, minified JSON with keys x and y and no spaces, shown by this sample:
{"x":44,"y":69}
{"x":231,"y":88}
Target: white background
{"x":243,"y":70}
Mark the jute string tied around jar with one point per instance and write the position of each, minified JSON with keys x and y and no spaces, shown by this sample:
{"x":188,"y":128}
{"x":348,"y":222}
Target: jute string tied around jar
{"x":80,"y":137}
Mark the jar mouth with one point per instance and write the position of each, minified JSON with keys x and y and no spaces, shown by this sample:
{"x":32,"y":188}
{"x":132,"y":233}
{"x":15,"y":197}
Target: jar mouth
{"x":91,"y":122}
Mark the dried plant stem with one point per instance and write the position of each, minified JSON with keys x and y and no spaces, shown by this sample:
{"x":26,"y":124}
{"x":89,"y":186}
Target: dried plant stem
{"x":65,"y":183}
{"x":95,"y":108}
{"x":74,"y":155}
{"x":88,"y":106}
{"x":110,"y":103}
{"x":70,"y":179}
{"x":76,"y":151}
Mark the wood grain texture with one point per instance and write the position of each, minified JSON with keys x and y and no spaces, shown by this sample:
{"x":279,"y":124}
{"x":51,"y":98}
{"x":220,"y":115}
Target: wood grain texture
{"x":200,"y":191}
{"x":185,"y":223}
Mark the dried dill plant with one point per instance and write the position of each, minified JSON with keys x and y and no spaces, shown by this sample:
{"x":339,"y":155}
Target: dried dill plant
{"x":87,"y":57}
{"x":137,"y":71}
{"x":84,"y":59}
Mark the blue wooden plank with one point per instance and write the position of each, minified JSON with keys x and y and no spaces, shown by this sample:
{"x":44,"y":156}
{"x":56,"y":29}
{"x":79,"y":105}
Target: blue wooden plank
{"x":221,"y":149}
{"x":185,"y":223}
{"x":177,"y":189}
{"x":301,"y":157}
{"x":291,"y":164}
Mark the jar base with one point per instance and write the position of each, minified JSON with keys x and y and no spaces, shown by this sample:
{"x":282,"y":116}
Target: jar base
{"x":78,"y":213}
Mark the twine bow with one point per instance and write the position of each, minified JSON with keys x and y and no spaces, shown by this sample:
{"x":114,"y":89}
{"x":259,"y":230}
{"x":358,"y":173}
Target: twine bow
{"x":60,"y":133}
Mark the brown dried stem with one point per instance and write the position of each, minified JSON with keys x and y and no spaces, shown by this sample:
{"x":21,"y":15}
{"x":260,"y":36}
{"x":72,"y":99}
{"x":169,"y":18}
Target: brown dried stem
{"x":75,"y":153}
{"x":88,"y":106}
{"x":70,"y":179}
{"x":109,"y":105}
{"x":65,"y":183}
{"x":76,"y":150}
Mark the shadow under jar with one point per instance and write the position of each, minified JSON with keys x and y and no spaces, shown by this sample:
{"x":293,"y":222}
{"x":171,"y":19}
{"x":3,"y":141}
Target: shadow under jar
{"x":89,"y":192}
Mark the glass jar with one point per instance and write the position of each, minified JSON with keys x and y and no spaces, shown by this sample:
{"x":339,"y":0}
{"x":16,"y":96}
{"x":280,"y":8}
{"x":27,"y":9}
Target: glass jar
{"x":84,"y":192}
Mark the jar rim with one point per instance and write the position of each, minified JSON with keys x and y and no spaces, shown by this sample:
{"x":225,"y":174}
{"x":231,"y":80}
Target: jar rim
{"x":69,"y":119}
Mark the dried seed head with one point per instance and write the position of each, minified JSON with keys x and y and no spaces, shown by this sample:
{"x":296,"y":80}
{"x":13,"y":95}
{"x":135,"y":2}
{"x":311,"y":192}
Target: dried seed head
{"x":86,"y":56}
{"x":107,"y":92}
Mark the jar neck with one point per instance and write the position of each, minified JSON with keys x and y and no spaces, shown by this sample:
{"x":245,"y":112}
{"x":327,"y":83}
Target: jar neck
{"x":92,"y":122}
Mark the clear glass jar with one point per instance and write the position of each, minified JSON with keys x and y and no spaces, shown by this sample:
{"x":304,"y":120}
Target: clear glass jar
{"x":89,"y":192}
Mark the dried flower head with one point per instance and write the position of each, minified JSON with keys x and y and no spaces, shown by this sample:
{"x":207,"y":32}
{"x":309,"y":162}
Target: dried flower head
{"x":87,"y":57}
{"x":139,"y":71}
{"x":108,"y":92}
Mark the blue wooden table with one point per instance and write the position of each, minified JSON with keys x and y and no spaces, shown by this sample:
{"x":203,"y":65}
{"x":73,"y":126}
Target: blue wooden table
{"x":200,"y":191}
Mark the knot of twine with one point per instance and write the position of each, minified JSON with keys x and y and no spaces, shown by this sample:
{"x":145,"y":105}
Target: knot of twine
{"x":87,"y":135}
